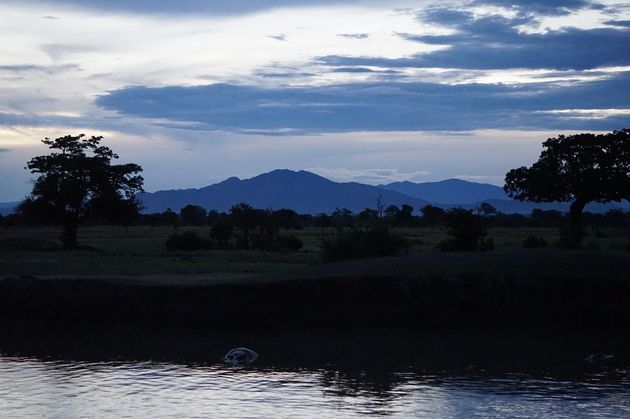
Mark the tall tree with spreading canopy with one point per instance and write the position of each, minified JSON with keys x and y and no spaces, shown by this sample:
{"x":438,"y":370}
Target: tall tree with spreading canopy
{"x":578,"y":169}
{"x":78,"y":181}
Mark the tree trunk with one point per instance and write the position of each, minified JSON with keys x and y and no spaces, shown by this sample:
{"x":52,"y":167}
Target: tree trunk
{"x":575,"y":223}
{"x":69,"y":234}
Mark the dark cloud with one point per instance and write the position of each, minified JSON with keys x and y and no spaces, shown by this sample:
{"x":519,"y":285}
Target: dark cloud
{"x":619,"y":23}
{"x":27,"y":68}
{"x":376,"y":106}
{"x":280,"y":37}
{"x":354,"y":35}
{"x":284,"y":75}
{"x":4,"y":150}
{"x":544,"y":7}
{"x":352,"y":70}
{"x":493,"y":42}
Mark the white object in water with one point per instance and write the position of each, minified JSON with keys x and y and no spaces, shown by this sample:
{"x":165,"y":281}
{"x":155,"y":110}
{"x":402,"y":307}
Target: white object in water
{"x":240,"y":356}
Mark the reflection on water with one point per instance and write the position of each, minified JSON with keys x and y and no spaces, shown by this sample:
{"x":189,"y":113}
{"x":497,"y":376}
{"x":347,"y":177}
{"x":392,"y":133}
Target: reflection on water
{"x":166,"y":373}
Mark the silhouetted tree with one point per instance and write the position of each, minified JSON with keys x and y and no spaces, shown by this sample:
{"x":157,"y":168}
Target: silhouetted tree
{"x":380,"y":205}
{"x":578,"y":169}
{"x":287,"y":218}
{"x":486,"y":209}
{"x":367,"y":217}
{"x":405,"y":215}
{"x":431,"y":215}
{"x":244,"y":219}
{"x":222,"y":232}
{"x":467,"y":232}
{"x":342,"y":218}
{"x":78,"y":181}
{"x":193,"y":215}
{"x":391,"y":212}
{"x":170,"y":218}
{"x":266,"y":230}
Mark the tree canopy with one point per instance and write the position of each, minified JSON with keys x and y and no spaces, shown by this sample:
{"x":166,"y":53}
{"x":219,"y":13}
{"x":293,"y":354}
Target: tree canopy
{"x":578,"y":169}
{"x":78,"y":181}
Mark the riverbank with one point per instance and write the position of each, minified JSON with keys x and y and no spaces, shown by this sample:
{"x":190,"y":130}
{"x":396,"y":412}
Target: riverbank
{"x":576,"y":290}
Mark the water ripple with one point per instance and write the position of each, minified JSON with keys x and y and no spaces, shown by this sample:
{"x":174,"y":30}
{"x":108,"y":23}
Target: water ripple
{"x":73,"y":389}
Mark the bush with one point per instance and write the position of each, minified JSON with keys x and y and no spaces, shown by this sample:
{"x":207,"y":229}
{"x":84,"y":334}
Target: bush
{"x":289,"y":243}
{"x":187,"y":241}
{"x":353,"y":244}
{"x":534,"y":242}
{"x":467,"y":232}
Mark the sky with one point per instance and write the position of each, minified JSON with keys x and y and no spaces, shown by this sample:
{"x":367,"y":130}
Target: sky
{"x":374,"y":91}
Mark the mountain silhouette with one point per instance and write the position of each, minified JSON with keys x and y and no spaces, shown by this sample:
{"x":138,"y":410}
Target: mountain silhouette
{"x":450,"y":191}
{"x":308,"y":193}
{"x":302,"y":191}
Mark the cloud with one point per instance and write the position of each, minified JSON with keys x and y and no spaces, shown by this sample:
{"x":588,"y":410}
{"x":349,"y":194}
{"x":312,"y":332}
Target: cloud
{"x":4,"y":150}
{"x":282,"y":75}
{"x":384,"y":106}
{"x":48,"y":69}
{"x":494,"y":42}
{"x":369,"y":176}
{"x":544,"y":7}
{"x":280,"y":37}
{"x":352,"y":70}
{"x":619,"y":23}
{"x":354,"y":35}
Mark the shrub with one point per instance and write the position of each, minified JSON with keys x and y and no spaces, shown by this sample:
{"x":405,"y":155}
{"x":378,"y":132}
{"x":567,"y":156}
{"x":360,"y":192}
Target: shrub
{"x":187,"y":241}
{"x":221,"y":232}
{"x":354,"y":244}
{"x":534,"y":242}
{"x":466,"y":230}
{"x":289,"y":243}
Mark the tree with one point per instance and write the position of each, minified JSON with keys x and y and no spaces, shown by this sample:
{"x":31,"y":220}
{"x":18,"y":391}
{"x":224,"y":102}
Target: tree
{"x":486,"y":209}
{"x":466,"y":231}
{"x":78,"y":181}
{"x":431,"y":215}
{"x":577,"y":169}
{"x":244,"y":218}
{"x":193,"y":215}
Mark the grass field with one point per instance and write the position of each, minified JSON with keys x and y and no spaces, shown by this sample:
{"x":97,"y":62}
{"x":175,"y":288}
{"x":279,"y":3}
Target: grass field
{"x":140,"y":251}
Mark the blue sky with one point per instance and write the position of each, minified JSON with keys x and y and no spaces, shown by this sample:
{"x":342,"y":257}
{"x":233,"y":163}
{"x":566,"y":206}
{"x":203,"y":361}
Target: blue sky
{"x":362,"y":90}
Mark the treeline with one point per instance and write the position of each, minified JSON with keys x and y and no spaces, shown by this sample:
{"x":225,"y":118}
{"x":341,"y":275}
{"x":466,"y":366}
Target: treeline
{"x":393,"y":216}
{"x":243,"y":227}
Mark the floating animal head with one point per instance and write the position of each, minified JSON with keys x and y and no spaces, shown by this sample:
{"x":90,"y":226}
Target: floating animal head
{"x":240,"y":356}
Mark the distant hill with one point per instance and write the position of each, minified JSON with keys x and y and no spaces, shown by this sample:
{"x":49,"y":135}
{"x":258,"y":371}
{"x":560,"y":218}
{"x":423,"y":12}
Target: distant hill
{"x":510,"y":206}
{"x":302,"y":191}
{"x":450,"y":191}
{"x":7,"y":207}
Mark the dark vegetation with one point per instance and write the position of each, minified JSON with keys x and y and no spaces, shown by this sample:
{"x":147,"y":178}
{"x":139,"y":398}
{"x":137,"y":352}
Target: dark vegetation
{"x":577,"y":169}
{"x":78,"y":182}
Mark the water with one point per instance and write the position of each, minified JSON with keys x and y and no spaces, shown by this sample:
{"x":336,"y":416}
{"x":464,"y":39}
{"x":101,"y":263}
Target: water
{"x":171,"y":373}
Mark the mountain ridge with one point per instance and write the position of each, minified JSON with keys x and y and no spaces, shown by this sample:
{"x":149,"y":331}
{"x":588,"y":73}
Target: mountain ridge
{"x":310,"y":193}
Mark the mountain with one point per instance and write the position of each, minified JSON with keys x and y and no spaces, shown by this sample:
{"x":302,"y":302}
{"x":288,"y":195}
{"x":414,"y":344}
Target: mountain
{"x":302,"y":191}
{"x":7,"y":208}
{"x":450,"y":191}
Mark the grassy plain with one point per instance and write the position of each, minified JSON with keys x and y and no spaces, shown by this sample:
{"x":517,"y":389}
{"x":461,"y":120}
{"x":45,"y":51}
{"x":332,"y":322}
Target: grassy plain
{"x":140,"y":251}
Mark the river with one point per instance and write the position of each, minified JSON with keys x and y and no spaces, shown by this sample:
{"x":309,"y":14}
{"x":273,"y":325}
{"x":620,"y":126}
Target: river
{"x":177,"y":373}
